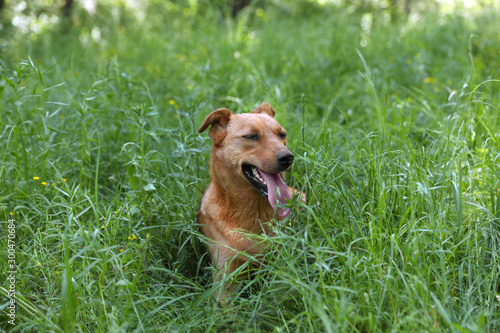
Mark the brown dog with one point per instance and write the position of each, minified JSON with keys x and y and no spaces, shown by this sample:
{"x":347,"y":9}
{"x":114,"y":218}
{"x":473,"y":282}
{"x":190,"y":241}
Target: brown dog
{"x":248,"y":155}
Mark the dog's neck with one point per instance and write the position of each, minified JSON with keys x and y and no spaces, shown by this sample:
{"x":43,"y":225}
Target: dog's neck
{"x":246,"y":208}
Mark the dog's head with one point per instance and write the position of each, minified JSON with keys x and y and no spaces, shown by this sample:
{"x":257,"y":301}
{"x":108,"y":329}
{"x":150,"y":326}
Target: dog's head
{"x":253,"y":147}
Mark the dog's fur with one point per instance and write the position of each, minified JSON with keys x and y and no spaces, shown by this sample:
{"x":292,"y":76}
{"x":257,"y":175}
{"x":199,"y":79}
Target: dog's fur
{"x":231,"y":203}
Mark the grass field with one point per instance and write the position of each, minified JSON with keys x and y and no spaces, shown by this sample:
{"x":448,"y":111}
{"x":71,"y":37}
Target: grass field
{"x":395,"y":127}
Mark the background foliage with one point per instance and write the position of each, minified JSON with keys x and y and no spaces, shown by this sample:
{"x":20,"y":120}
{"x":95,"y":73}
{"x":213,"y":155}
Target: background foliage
{"x":392,"y":114}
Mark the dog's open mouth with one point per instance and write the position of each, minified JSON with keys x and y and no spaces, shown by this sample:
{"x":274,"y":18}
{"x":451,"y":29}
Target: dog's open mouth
{"x":269,"y":185}
{"x":255,"y":179}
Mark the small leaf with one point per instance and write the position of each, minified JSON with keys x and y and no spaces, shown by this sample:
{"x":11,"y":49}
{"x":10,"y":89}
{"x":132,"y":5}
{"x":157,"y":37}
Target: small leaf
{"x":9,"y":81}
{"x":150,"y":188}
{"x":22,"y":186}
{"x":123,"y":282}
{"x":134,"y":182}
{"x":131,"y":170}
{"x":153,"y":135}
{"x":134,"y":210}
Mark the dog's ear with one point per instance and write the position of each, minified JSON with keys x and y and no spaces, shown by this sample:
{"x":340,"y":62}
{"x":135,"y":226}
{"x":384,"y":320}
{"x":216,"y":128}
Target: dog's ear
{"x":218,"y":120}
{"x":265,"y":108}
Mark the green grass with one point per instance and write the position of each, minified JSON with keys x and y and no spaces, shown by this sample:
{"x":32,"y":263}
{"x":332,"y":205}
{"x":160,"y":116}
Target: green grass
{"x":397,"y":147}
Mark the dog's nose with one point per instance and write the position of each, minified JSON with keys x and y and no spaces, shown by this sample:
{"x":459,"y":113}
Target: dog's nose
{"x":284,"y":159}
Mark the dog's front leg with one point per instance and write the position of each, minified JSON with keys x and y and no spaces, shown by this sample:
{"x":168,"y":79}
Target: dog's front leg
{"x":226,"y":262}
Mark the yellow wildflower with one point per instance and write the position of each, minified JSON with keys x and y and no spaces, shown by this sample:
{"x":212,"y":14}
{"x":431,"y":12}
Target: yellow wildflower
{"x":44,"y":183}
{"x":171,"y":102}
{"x":121,"y":250}
{"x":11,"y":213}
{"x":36,"y":178}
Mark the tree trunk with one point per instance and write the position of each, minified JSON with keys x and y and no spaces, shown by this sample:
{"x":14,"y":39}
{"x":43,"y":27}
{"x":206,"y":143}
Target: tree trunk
{"x":406,"y":8}
{"x":66,"y":10}
{"x":238,"y":5}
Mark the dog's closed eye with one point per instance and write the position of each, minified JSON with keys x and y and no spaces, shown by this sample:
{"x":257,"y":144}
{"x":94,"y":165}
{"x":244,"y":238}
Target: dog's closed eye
{"x":253,"y":137}
{"x":282,"y":135}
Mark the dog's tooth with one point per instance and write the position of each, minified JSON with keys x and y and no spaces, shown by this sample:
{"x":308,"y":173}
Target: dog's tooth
{"x":257,"y":176}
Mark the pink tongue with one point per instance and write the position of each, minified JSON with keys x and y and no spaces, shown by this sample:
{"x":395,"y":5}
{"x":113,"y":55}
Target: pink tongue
{"x":275,"y":181}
